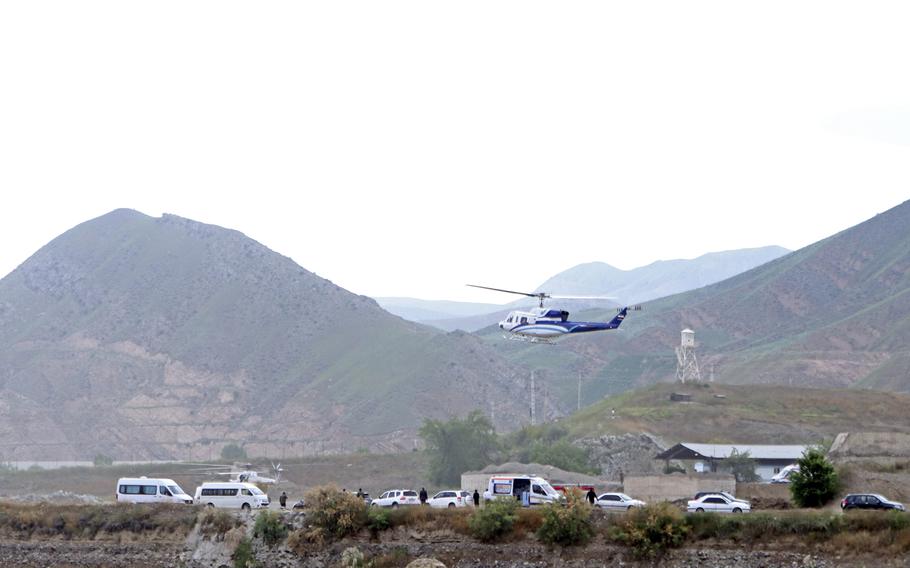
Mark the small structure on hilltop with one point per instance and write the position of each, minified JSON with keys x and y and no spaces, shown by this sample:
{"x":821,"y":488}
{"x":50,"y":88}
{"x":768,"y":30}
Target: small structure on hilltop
{"x":686,"y":361}
{"x":704,"y":458}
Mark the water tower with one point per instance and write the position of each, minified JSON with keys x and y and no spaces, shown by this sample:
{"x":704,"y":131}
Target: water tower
{"x":686,"y":362}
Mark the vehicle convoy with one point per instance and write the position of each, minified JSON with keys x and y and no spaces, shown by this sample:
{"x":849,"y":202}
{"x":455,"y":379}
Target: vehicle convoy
{"x":150,"y":490}
{"x":231,"y":495}
{"x":617,"y":502}
{"x":451,"y":498}
{"x":718,"y":503}
{"x":539,"y":490}
{"x":869,"y":501}
{"x":395,"y":498}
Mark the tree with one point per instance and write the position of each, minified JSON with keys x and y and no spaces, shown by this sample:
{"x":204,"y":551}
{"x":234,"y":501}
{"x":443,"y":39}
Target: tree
{"x":816,"y":482}
{"x":561,"y":454}
{"x":742,"y":466}
{"x":233,"y":451}
{"x":458,"y":445}
{"x":102,"y":460}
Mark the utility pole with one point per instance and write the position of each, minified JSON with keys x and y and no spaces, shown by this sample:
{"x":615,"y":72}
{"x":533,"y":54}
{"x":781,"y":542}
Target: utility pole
{"x":579,"y":391}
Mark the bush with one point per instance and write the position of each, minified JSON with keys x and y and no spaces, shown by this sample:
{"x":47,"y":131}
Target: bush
{"x":494,"y":520}
{"x":816,"y":482}
{"x":335,"y":514}
{"x":270,"y":528}
{"x":651,"y":530}
{"x":101,"y":460}
{"x":217,"y":522}
{"x":378,"y":520}
{"x":243,"y":556}
{"x":567,"y":525}
{"x":233,"y":451}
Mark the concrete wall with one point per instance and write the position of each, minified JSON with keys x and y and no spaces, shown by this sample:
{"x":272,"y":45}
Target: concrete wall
{"x":675,"y":486}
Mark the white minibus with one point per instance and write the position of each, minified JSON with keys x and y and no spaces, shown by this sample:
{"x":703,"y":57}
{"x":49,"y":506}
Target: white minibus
{"x":231,"y":495}
{"x":150,"y":490}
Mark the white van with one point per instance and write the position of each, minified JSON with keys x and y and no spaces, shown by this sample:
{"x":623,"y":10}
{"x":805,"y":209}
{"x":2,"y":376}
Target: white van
{"x":150,"y":490}
{"x":539,"y":489}
{"x":231,"y":495}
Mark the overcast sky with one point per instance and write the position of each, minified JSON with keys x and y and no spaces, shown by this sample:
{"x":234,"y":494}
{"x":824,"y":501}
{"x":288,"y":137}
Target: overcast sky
{"x":408,"y":148}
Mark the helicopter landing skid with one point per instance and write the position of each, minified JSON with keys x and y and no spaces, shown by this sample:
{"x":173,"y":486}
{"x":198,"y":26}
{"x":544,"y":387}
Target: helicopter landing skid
{"x":526,"y":339}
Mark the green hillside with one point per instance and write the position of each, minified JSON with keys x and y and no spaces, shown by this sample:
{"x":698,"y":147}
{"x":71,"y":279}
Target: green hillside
{"x":743,"y":414}
{"x":148,"y":337}
{"x":834,"y":314}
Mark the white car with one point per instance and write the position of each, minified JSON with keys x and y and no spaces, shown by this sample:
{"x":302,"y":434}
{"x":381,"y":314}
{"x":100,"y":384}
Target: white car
{"x":395,"y":498}
{"x":451,"y":498}
{"x":717,"y":503}
{"x":617,"y":502}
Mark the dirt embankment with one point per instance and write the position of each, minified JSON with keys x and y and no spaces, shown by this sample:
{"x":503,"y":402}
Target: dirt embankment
{"x":82,"y":536}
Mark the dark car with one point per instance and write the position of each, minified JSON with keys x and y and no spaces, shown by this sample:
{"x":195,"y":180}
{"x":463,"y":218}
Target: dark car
{"x":869,"y":501}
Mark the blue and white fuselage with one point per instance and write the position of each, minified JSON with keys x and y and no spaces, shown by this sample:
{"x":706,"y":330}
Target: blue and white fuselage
{"x":545,"y":324}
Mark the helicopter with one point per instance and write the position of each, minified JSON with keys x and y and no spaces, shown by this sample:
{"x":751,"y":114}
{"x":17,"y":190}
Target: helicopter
{"x":244,"y":474}
{"x":544,"y":325}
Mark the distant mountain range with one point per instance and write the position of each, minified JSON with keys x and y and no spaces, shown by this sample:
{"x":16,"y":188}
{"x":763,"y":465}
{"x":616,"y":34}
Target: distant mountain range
{"x":833,"y":314}
{"x":154,"y":338}
{"x":656,"y":280}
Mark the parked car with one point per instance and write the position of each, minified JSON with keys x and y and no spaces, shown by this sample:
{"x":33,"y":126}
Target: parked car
{"x":717,"y":503}
{"x":869,"y":501}
{"x":395,"y":498}
{"x":617,"y":502}
{"x":451,"y":498}
{"x":784,"y":475}
{"x":701,"y":494}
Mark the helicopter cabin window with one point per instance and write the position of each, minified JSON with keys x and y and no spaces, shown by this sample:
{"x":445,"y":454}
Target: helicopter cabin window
{"x":524,"y":320}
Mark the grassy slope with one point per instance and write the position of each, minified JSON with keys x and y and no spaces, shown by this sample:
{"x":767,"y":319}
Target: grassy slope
{"x":747,"y":414}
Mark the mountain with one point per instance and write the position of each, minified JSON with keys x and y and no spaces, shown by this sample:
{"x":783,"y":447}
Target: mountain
{"x":658,"y":279}
{"x":833,"y":314}
{"x":159,"y":338}
{"x":423,"y":311}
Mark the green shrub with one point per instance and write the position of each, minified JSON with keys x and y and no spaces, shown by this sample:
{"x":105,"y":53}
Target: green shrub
{"x":651,"y":530}
{"x":243,"y":556}
{"x":270,"y":528}
{"x":335,"y":514}
{"x":378,"y":520}
{"x":233,"y":452}
{"x":568,"y":524}
{"x":494,"y":520}
{"x":101,"y":460}
{"x":816,"y":482}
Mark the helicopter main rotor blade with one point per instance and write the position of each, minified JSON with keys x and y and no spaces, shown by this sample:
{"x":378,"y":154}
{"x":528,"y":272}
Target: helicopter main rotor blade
{"x":537,"y":295}
{"x":583,"y":297}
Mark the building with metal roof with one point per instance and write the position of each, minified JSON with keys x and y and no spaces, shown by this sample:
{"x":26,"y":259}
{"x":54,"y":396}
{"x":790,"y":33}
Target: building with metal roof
{"x":769,"y":459}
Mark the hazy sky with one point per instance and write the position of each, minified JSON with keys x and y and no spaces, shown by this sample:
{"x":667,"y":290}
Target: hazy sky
{"x":407,"y":148}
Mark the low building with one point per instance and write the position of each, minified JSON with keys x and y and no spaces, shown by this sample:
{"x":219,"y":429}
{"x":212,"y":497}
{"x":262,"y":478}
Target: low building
{"x":705,"y":458}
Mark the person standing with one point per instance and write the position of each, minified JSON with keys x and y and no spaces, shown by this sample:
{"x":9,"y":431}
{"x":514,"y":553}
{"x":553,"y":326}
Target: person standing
{"x":591,"y":496}
{"x":476,"y":498}
{"x":423,"y":496}
{"x":283,"y":499}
